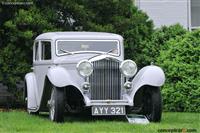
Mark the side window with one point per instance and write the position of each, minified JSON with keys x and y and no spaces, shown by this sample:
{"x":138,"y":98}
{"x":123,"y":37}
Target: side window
{"x":46,"y":50}
{"x":36,"y":51}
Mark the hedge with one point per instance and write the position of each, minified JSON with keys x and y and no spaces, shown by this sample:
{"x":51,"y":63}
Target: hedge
{"x":181,"y":63}
{"x":150,"y":48}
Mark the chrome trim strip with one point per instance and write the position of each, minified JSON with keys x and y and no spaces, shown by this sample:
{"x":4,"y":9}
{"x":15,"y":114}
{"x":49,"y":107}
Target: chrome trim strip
{"x":109,"y":101}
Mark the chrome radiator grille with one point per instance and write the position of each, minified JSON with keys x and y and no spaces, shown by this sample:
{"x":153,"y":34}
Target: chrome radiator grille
{"x":105,"y":80}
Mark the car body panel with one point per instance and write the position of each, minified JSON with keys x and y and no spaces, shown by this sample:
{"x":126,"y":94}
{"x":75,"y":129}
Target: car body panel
{"x":149,"y":75}
{"x":32,"y":94}
{"x":59,"y":77}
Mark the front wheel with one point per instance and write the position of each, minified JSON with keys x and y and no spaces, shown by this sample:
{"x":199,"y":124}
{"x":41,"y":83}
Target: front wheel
{"x":56,"y":105}
{"x":152,"y":104}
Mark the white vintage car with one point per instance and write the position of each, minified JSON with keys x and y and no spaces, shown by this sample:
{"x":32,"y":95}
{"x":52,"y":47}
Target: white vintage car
{"x":73,"y":71}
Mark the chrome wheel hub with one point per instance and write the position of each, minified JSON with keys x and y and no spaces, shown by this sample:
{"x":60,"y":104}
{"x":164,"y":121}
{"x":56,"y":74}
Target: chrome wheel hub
{"x":52,"y":106}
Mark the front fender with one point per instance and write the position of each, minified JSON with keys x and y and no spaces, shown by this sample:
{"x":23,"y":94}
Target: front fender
{"x":149,"y":75}
{"x":60,"y":77}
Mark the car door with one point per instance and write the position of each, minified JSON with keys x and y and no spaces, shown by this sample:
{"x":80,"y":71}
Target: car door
{"x":42,"y":61}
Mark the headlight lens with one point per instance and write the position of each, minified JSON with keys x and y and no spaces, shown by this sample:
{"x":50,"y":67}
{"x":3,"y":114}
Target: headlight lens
{"x":85,"y":68}
{"x":128,"y":68}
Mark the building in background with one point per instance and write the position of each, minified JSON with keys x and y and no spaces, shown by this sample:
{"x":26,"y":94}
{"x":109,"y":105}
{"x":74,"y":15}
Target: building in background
{"x":169,"y":12}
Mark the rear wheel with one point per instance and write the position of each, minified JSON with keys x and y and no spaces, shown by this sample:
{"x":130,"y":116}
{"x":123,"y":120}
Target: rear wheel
{"x":56,"y":105}
{"x":152,"y":104}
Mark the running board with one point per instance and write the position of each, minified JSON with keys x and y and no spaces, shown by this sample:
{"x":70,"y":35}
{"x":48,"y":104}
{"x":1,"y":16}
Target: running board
{"x":137,"y":119}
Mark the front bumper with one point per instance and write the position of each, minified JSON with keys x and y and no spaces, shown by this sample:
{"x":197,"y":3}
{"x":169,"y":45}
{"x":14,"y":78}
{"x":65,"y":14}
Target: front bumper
{"x":126,"y":101}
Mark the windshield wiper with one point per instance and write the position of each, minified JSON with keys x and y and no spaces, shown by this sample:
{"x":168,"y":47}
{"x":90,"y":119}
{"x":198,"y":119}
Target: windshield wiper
{"x":65,"y":51}
{"x":104,"y":53}
{"x":111,"y":50}
{"x":68,"y":52}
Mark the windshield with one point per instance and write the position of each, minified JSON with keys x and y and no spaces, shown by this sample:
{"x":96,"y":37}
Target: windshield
{"x":64,"y":47}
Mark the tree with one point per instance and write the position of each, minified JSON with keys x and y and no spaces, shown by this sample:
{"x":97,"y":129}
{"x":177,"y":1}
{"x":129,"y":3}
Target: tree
{"x":20,"y":25}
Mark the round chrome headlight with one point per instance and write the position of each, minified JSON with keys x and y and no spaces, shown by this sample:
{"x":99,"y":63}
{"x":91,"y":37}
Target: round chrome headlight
{"x":128,"y":68}
{"x":85,"y":68}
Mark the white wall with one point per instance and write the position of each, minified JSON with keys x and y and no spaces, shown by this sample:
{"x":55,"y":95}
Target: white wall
{"x":166,"y":12}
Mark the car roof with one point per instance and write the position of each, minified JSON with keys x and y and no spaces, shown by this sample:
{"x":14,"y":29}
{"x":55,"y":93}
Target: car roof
{"x":78,"y":35}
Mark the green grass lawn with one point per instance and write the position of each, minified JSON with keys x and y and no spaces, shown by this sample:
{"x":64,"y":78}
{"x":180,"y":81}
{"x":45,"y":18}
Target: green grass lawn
{"x":19,"y":121}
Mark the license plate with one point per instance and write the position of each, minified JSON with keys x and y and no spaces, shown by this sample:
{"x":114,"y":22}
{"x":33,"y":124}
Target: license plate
{"x":108,"y":110}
